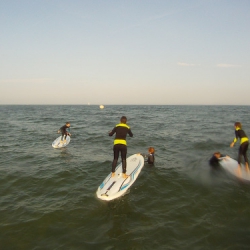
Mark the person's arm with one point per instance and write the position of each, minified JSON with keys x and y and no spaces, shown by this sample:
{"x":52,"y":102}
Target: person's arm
{"x":130,"y":133}
{"x":235,"y":139}
{"x":112,"y":131}
{"x":223,"y":157}
{"x":68,"y":131}
{"x":60,"y":130}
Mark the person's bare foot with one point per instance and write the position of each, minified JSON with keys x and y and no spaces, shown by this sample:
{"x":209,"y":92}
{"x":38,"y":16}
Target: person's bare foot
{"x":125,"y":176}
{"x":113,"y":175}
{"x":238,"y":171}
{"x":247,"y":168}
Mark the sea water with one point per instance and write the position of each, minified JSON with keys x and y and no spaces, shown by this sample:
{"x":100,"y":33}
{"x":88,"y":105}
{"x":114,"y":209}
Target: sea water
{"x":47,"y":195}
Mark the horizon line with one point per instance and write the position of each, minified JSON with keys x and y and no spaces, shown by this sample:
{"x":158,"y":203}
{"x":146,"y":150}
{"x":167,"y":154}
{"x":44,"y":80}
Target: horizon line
{"x":125,"y":105}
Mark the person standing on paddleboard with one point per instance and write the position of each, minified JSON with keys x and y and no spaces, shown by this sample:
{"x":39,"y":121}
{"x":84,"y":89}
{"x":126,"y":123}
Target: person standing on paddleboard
{"x":239,"y":133}
{"x":65,"y":130}
{"x":120,"y":144}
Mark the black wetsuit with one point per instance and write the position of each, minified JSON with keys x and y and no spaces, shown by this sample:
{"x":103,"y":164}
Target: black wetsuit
{"x":120,"y":145}
{"x":239,"y":133}
{"x":149,"y":158}
{"x":65,"y":131}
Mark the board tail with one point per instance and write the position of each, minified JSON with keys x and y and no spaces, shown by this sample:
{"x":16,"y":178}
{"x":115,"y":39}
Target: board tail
{"x":105,"y":194}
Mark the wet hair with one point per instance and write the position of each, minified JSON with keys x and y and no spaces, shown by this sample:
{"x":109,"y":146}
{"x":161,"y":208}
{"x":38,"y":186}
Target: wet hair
{"x":217,"y":153}
{"x":123,"y":119}
{"x":237,"y":124}
{"x":151,"y":150}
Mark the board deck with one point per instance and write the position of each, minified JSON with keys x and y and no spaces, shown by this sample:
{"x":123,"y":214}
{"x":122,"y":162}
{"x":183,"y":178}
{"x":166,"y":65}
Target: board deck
{"x":56,"y":143}
{"x":114,"y":187}
{"x":231,"y":166}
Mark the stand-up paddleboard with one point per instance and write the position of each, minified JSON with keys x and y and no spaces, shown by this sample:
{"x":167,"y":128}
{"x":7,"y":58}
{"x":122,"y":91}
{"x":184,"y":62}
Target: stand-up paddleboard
{"x":231,"y":166}
{"x":114,"y":187}
{"x":57,"y":142}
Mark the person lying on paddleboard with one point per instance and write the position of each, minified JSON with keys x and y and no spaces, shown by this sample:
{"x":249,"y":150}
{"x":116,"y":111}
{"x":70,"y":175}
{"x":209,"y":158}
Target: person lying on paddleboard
{"x":65,"y":130}
{"x":239,"y":133}
{"x":216,"y":158}
{"x":150,"y":156}
{"x":120,"y":145}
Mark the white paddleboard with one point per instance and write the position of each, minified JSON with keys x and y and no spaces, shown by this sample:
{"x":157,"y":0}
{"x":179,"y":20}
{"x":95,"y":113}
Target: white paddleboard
{"x":231,"y":166}
{"x":56,"y":143}
{"x":114,"y":187}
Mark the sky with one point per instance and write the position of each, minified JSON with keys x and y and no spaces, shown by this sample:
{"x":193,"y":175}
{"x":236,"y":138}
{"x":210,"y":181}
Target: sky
{"x":122,"y":52}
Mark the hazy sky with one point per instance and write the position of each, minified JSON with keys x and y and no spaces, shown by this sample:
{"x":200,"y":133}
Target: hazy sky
{"x":125,"y":52}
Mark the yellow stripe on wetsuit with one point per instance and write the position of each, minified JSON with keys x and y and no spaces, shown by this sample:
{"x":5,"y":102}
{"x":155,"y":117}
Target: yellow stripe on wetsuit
{"x":120,"y":141}
{"x":123,"y":125}
{"x":242,"y":140}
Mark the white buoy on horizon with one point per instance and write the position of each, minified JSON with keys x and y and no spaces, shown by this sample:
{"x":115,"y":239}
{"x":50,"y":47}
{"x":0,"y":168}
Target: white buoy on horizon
{"x":101,"y":107}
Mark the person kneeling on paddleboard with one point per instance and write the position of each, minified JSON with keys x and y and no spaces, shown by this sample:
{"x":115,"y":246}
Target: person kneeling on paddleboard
{"x":216,"y":158}
{"x":150,"y":157}
{"x":120,"y":145}
{"x":65,"y":130}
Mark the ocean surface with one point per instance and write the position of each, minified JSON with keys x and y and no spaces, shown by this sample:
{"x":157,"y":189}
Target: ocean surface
{"x":48,"y":196}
